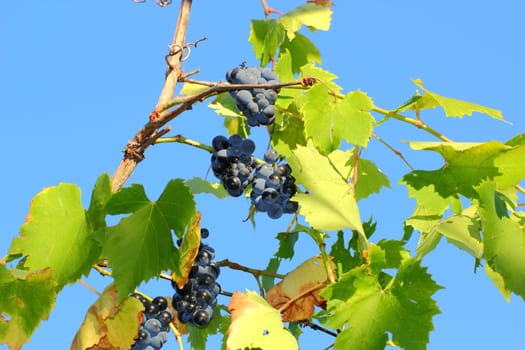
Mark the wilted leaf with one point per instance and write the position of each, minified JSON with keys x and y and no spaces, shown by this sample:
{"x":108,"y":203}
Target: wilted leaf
{"x":26,"y":298}
{"x":108,"y":324}
{"x":306,"y":277}
{"x":188,"y":251}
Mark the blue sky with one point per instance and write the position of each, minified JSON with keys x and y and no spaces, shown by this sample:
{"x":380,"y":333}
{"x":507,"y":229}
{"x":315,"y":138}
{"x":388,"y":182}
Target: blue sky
{"x":77,"y":79}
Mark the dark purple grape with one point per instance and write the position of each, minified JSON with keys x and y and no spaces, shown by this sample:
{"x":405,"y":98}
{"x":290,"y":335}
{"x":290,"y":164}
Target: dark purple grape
{"x":201,"y":318}
{"x":161,"y":302}
{"x":220,"y":142}
{"x":205,"y":233}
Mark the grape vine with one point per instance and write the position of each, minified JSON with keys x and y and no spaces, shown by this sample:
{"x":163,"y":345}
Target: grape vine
{"x":313,"y":137}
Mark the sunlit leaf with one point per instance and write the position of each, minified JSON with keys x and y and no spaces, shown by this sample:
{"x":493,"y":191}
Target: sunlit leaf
{"x":56,"y":235}
{"x":188,"y":250}
{"x":311,"y":15}
{"x":255,"y":324}
{"x":198,"y":185}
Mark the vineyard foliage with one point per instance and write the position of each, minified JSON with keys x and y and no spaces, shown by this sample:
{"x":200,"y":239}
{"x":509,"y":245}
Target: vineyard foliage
{"x":369,"y":293}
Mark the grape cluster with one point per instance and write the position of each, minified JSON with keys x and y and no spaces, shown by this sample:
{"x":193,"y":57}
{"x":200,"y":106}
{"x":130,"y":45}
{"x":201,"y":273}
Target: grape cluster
{"x":153,"y":332}
{"x":232,"y":162}
{"x":273,"y":186}
{"x":195,"y":301}
{"x":258,"y":105}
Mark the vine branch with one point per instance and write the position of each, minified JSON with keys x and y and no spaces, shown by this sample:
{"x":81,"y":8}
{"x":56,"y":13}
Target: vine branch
{"x":134,"y":151}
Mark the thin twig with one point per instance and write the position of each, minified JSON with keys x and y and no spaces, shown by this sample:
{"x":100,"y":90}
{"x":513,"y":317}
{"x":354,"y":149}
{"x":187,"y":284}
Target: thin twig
{"x":88,"y":286}
{"x":415,"y":122}
{"x":316,"y":327}
{"x":395,"y":151}
{"x":235,"y":266}
{"x":184,"y":140}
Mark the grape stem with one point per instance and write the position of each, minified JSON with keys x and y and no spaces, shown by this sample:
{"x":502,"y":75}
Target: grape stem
{"x":415,"y":122}
{"x":235,"y":266}
{"x":181,"y":139}
{"x":88,"y":286}
{"x":395,"y":151}
{"x":269,"y":10}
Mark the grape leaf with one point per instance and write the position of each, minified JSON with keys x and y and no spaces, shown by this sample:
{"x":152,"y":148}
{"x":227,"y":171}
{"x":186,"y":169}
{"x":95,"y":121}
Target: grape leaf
{"x":26,"y":299}
{"x":402,"y":309}
{"x":503,"y":241}
{"x":255,"y":324}
{"x":451,"y":106}
{"x":311,"y":15}
{"x":198,"y":185}
{"x":234,"y":121}
{"x":352,"y":120}
{"x":57,"y":212}
{"x":370,"y":179}
{"x":328,"y":121}
{"x":510,"y":164}
{"x":285,"y":140}
{"x":463,"y":232}
{"x":191,"y":89}
{"x":466,"y":165}
{"x":302,"y":51}
{"x":188,"y":250}
{"x":266,"y":36}
{"x":109,"y":324}
{"x":142,"y":242}
{"x":96,"y":214}
{"x":287,"y":242}
{"x":307,"y":277}
{"x":330,"y":204}
{"x":273,"y":265}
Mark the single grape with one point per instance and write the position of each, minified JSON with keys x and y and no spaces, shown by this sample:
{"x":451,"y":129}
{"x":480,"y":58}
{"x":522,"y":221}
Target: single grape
{"x":220,"y":142}
{"x":160,"y":302}
{"x":201,"y":318}
{"x":204,"y":233}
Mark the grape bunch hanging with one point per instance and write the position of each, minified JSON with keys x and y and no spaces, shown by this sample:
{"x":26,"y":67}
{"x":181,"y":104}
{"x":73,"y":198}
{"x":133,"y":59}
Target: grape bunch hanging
{"x":156,"y":317}
{"x":272,"y":183}
{"x":257,"y":104}
{"x":195,"y":301}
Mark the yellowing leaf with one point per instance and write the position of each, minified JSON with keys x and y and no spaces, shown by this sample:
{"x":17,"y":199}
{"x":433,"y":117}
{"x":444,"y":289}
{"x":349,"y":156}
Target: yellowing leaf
{"x":188,"y":251}
{"x":330,"y":203}
{"x":452,"y":107}
{"x":306,"y":277}
{"x":109,"y":324}
{"x":310,"y":15}
{"x":26,"y":298}
{"x":255,"y":324}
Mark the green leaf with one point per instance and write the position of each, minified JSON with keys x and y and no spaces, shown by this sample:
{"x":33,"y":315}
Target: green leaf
{"x":198,"y":185}
{"x":302,"y":52}
{"x":328,"y":121}
{"x":27,"y":298}
{"x":352,"y":120}
{"x":273,"y":265}
{"x":370,"y":179}
{"x":311,"y":15}
{"x":510,"y":164}
{"x":400,"y":313}
{"x":96,"y":214}
{"x":503,"y":241}
{"x":142,"y":242}
{"x":234,"y":121}
{"x":466,"y":165}
{"x":451,"y":106}
{"x":255,"y":324}
{"x":266,"y":36}
{"x":287,"y":242}
{"x":330,"y":204}
{"x":327,"y":78}
{"x":463,"y":232}
{"x":286,"y":139}
{"x":56,"y":235}
{"x":109,"y":324}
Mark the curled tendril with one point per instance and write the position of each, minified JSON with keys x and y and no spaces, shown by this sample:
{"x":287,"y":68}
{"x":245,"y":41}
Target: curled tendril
{"x":161,"y":3}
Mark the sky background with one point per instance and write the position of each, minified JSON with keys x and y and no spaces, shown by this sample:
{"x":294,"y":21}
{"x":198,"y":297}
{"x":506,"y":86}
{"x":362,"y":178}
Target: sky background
{"x":78,"y":78}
